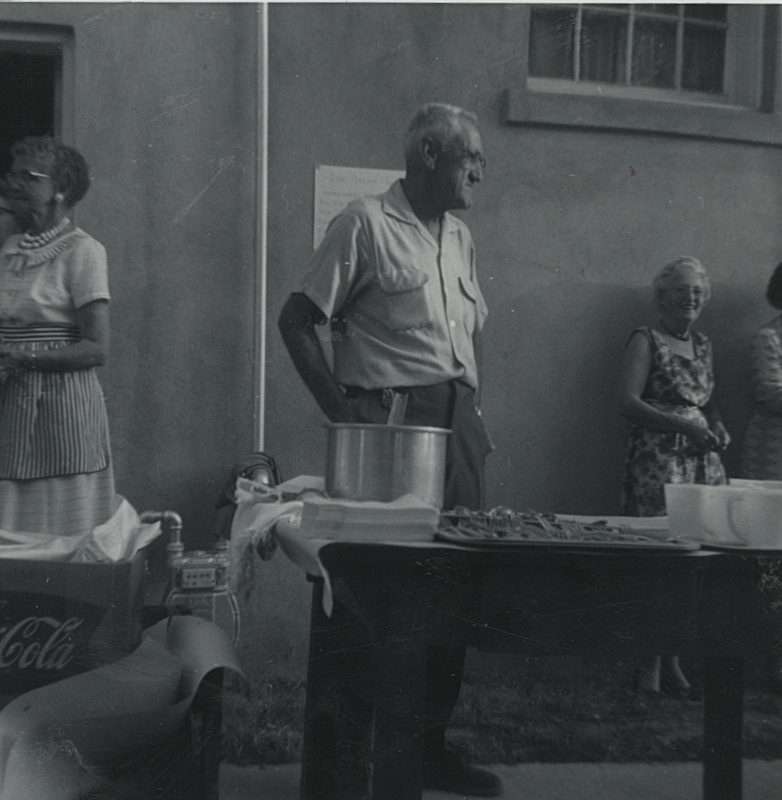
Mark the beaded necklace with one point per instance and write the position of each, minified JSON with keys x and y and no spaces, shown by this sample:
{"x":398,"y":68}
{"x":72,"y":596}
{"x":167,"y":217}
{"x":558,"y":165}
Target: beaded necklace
{"x":30,"y":242}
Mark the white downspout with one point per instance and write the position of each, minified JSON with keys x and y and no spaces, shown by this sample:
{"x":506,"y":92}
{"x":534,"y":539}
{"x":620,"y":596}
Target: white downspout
{"x":261,"y":196}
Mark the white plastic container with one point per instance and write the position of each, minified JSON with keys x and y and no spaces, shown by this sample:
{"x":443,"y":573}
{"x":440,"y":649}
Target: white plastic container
{"x":728,"y":515}
{"x":748,"y":483}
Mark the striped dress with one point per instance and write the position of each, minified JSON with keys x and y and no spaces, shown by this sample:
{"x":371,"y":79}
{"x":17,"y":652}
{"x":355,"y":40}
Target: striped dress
{"x":761,"y":448}
{"x":55,"y":463}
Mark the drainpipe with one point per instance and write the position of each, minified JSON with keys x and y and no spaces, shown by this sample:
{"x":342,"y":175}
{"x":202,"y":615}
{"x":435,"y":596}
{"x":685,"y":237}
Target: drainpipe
{"x":261,"y":194}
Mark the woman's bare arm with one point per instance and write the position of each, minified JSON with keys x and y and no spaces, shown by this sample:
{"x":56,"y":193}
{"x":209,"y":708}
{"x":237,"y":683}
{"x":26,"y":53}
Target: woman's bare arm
{"x":91,"y":350}
{"x":633,"y":375}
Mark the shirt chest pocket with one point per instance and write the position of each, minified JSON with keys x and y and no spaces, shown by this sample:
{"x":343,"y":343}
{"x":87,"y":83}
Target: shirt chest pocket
{"x":469,"y":303}
{"x":468,"y":290}
{"x":401,"y":301}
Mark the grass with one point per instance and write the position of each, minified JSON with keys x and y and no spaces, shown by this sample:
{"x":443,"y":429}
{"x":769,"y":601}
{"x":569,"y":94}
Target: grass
{"x":552,"y":710}
{"x":555,"y":710}
{"x":263,"y":721}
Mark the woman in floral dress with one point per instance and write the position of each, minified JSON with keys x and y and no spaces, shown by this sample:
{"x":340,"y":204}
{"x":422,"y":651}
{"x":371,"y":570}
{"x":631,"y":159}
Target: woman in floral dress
{"x":666,"y":391}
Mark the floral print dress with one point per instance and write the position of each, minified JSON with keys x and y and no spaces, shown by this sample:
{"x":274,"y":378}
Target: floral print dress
{"x":681,"y":386}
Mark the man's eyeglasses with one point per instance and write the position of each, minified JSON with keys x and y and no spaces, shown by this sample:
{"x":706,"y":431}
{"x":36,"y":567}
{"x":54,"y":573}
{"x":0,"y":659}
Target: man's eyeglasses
{"x":25,"y":177}
{"x":468,"y":159}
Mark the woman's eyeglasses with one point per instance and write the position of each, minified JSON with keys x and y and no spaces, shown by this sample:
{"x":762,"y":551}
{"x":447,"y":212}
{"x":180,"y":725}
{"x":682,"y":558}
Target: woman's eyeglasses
{"x":25,"y":177}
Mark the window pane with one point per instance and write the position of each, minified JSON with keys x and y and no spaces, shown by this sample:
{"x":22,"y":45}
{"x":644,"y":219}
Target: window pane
{"x":706,"y":11}
{"x":658,"y":8}
{"x":603,"y":47}
{"x":27,"y":97}
{"x":551,"y":40}
{"x":703,"y":59}
{"x":654,"y":54}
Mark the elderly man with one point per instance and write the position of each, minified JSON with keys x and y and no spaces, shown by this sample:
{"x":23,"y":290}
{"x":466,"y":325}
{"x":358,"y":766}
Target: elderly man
{"x":395,"y":275}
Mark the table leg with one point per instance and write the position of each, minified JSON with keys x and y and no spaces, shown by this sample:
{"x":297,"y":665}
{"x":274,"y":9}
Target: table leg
{"x":723,"y":706}
{"x":338,"y":710}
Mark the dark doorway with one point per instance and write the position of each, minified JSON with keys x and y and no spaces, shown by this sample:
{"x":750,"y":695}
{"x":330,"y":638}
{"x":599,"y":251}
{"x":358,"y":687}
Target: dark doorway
{"x":27,"y":98}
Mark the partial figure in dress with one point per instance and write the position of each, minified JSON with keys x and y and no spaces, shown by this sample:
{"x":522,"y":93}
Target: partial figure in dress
{"x":10,"y":223}
{"x":55,"y":461}
{"x":666,"y":391}
{"x":761,"y":448}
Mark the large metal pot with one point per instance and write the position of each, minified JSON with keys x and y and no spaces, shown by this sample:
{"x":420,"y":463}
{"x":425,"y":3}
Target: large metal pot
{"x":383,"y":462}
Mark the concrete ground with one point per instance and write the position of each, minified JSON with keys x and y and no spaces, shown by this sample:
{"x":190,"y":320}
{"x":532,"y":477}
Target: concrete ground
{"x":762,"y":781}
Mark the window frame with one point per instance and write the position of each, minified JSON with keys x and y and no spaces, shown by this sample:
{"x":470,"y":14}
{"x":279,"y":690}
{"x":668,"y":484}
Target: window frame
{"x":634,"y":13}
{"x":48,"y":40}
{"x":747,"y":110}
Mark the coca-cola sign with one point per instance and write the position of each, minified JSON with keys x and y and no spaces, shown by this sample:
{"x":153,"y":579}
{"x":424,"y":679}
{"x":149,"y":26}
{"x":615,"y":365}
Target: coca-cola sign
{"x":38,"y":643}
{"x":44,"y":638}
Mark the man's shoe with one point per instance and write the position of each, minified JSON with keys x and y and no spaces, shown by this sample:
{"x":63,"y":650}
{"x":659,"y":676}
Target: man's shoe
{"x":445,"y":771}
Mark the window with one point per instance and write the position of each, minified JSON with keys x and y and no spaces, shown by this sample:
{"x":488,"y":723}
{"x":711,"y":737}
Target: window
{"x":32,"y":85}
{"x":665,"y":46}
{"x":704,"y":70}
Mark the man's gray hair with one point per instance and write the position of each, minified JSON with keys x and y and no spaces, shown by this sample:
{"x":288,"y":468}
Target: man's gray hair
{"x":664,"y":278}
{"x":439,"y":121}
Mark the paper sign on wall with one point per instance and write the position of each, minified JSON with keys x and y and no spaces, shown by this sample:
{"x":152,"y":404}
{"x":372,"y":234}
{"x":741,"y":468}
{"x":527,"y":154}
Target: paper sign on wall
{"x":335,"y":187}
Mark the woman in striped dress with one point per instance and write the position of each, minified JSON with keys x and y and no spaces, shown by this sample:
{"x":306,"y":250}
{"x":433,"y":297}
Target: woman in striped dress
{"x":55,"y":462}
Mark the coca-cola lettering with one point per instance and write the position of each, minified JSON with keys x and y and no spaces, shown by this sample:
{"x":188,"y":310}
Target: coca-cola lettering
{"x":21,"y":643}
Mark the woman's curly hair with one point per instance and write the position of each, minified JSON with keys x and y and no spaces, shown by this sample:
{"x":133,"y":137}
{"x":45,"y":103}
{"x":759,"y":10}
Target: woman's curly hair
{"x":69,"y":168}
{"x":774,"y":289}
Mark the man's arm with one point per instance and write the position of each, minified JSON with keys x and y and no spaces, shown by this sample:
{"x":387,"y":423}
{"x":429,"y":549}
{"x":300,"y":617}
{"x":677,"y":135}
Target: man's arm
{"x":297,"y":322}
{"x":477,"y":343}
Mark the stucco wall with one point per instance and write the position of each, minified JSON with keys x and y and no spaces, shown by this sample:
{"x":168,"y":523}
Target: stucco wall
{"x":165,"y":107}
{"x":568,"y":237}
{"x":569,"y":226}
